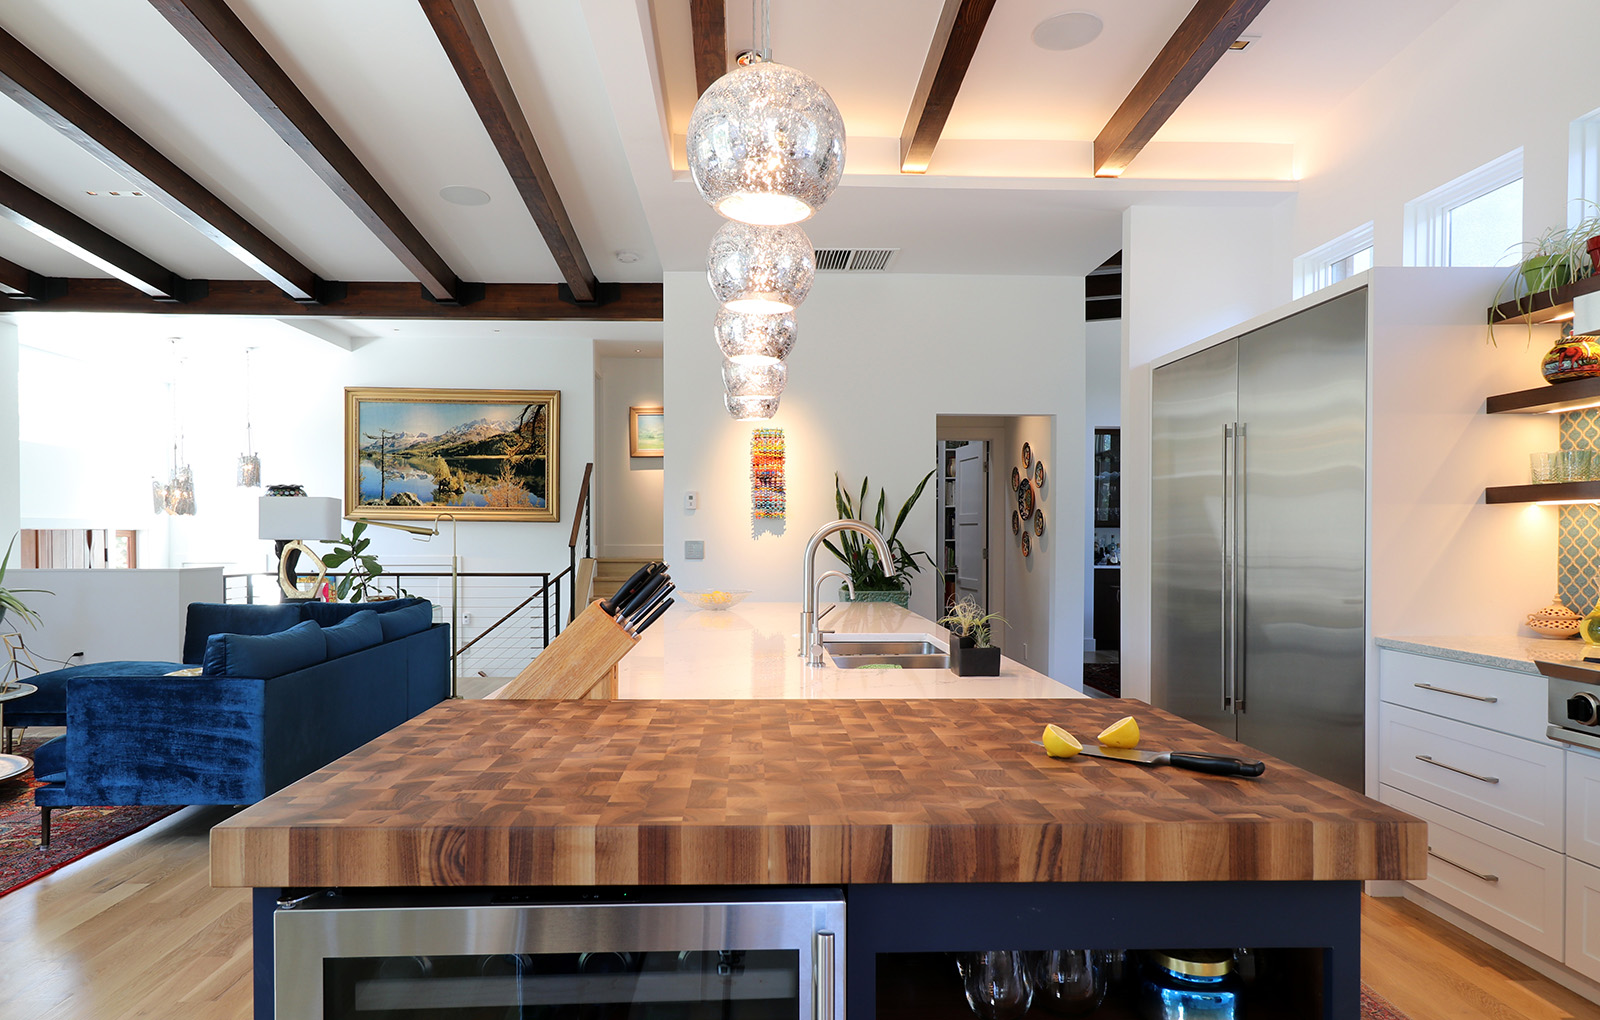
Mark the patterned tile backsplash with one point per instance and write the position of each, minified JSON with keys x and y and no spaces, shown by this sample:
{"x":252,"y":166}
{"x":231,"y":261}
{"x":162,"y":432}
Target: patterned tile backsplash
{"x":1578,"y":535}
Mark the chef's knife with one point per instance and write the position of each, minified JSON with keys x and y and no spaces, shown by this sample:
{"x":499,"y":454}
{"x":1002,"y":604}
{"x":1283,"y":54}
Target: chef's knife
{"x":628,"y":588}
{"x":643,"y":609}
{"x":655,"y":615}
{"x":1213,"y":764}
{"x":641,"y":596}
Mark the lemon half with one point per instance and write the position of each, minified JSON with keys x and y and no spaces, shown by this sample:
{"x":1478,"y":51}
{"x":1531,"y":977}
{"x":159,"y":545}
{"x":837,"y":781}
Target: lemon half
{"x":1058,"y":743}
{"x":1122,"y":733}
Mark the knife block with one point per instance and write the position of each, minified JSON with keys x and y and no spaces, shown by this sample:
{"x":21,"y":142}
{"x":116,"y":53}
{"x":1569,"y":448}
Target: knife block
{"x":580,"y":663}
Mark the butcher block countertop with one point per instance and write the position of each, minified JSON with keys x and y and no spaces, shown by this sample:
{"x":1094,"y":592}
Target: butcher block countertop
{"x":812,"y":791}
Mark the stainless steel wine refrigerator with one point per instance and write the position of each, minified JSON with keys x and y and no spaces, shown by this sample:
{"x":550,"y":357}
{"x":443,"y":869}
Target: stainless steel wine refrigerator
{"x":1258,"y":537}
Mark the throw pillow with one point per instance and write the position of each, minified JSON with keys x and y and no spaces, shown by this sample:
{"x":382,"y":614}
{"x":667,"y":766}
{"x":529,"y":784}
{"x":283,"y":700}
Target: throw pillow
{"x":263,"y":656}
{"x":358,"y":631}
{"x":208,"y":618}
{"x":330,"y":613}
{"x":405,"y":622}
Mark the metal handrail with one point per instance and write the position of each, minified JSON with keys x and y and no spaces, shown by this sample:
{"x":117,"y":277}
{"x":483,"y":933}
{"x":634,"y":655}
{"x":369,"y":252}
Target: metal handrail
{"x":581,"y":515}
{"x":554,"y":581}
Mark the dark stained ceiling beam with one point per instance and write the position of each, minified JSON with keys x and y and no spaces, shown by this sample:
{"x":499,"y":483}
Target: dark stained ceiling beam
{"x":222,"y":39}
{"x":13,"y":279}
{"x":955,"y":40}
{"x":19,"y":283}
{"x":708,"y":21}
{"x":533,"y":302}
{"x":66,"y":230}
{"x":465,"y":39}
{"x":1199,"y":42}
{"x":44,"y":92}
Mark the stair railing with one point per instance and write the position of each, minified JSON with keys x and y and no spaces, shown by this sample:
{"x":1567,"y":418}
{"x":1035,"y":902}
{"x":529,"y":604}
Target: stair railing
{"x":580,"y":519}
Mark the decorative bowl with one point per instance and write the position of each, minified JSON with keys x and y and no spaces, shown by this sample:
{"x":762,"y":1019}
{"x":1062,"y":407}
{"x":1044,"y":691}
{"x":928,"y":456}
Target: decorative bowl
{"x":1555,"y":620}
{"x":714,"y":598}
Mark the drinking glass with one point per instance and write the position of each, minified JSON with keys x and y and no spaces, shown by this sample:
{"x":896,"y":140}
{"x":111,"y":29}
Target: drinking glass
{"x":1068,"y":982}
{"x":1575,"y":465}
{"x":997,"y":984}
{"x":1544,"y":467}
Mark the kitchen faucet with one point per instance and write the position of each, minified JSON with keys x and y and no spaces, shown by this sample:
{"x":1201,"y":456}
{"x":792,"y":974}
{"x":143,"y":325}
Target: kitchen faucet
{"x":810,"y":634}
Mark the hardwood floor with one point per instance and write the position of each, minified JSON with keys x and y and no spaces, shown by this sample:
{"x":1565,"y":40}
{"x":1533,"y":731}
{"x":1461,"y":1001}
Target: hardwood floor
{"x":137,"y":931}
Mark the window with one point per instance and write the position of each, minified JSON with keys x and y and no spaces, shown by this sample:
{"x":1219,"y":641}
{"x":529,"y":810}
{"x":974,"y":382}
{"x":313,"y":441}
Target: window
{"x":1327,"y":264}
{"x":1475,"y":220}
{"x":1583,"y":173}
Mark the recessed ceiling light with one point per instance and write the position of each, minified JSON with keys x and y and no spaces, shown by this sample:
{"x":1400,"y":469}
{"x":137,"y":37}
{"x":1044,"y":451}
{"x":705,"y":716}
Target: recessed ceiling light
{"x":460,"y":194}
{"x":1242,"y":42}
{"x":1067,"y":31}
{"x":627,"y":256}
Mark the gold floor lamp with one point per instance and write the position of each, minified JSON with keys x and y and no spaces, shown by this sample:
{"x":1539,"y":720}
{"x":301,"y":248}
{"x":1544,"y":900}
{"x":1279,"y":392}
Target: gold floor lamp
{"x":455,"y":575}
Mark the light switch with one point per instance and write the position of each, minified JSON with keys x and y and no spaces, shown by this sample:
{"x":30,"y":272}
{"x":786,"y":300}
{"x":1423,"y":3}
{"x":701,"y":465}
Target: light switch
{"x":691,"y":501}
{"x":694,"y":550}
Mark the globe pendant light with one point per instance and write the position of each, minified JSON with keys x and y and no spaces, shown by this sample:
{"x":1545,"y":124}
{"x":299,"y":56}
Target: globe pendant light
{"x":762,"y":270}
{"x":757,"y":379}
{"x":744,"y":337}
{"x":766,"y":144}
{"x":750,"y":408}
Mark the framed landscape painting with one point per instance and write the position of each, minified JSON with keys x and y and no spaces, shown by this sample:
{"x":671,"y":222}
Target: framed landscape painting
{"x":488,"y":455}
{"x":646,"y":432}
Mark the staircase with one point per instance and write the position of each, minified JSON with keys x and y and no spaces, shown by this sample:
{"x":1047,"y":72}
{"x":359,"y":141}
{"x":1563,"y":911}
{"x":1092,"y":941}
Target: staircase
{"x":610,"y":573}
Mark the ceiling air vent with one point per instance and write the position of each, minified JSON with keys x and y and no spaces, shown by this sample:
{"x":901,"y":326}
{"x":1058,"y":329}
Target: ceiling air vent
{"x":855,"y":260}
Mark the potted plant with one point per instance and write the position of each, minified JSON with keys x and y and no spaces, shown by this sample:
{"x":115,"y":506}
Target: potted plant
{"x":356,"y":584}
{"x":971,"y":653}
{"x":9,"y":602}
{"x":1555,"y":258}
{"x":872,"y":582}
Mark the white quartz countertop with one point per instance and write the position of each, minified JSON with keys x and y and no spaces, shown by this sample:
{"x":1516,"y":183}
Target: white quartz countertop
{"x":1499,"y":651}
{"x":752,"y":651}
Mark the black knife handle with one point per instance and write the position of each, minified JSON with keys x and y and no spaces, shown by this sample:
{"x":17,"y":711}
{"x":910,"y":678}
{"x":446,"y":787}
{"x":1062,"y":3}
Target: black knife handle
{"x":642,"y":596}
{"x":1216,"y":764}
{"x":628,"y":587}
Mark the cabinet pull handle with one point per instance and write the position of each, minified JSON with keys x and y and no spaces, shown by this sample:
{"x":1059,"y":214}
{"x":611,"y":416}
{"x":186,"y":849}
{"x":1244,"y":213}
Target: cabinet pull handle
{"x":1459,"y":694}
{"x":822,"y":993}
{"x":1462,"y":867}
{"x":1452,"y":768}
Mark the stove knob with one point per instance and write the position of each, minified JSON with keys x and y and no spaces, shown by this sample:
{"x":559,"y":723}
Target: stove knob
{"x":1584,"y":708}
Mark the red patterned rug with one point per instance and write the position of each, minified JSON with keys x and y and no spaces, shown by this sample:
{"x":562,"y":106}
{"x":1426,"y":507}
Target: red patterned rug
{"x":1376,"y":1007}
{"x":74,"y":832}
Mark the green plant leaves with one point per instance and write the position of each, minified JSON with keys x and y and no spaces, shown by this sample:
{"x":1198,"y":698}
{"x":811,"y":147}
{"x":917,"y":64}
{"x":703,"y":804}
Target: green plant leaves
{"x":859,"y":556}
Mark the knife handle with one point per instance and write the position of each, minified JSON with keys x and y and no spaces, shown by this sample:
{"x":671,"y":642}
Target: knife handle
{"x":1216,"y":764}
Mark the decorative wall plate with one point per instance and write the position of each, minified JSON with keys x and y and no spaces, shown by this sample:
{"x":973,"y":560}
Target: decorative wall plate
{"x":1025,"y":498}
{"x":1016,"y":523}
{"x":1016,"y":478}
{"x":1027,"y":546}
{"x":1038,"y":474}
{"x":1027,"y":457}
{"x":1038,"y":523}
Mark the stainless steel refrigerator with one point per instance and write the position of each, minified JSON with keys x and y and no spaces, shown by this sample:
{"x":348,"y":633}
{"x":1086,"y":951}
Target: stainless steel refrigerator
{"x":1258,"y":537}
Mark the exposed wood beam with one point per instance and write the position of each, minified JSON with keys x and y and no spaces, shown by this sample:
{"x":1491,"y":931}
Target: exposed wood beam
{"x":465,"y":39}
{"x":44,"y":92}
{"x":19,"y":283}
{"x":955,"y":40}
{"x":1194,"y":48}
{"x":13,"y":279}
{"x":66,"y":230}
{"x":537,"y":302}
{"x":709,"y":23}
{"x":222,"y":39}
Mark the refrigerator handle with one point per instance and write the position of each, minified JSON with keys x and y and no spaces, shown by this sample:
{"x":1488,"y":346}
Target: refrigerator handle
{"x":1226,"y":629}
{"x":1241,"y":497}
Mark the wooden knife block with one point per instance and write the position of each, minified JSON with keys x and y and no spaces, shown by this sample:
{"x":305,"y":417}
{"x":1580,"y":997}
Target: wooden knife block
{"x":580,"y":663}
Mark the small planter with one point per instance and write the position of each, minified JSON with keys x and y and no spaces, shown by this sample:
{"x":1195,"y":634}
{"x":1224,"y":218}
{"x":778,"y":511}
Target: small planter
{"x":1545,"y":272}
{"x":1593,"y":246}
{"x":970,"y":661}
{"x":899,"y":598}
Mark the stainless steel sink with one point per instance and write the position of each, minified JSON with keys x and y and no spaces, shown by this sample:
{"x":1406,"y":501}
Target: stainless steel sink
{"x":909,"y":651}
{"x":924,"y":661}
{"x":845,"y":645}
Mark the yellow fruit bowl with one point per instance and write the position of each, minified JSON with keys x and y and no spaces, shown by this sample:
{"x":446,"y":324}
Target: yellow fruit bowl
{"x":714,"y":598}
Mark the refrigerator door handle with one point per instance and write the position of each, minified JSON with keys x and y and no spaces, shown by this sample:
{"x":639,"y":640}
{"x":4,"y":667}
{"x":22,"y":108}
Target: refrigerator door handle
{"x":1226,"y":603}
{"x":1241,"y":500}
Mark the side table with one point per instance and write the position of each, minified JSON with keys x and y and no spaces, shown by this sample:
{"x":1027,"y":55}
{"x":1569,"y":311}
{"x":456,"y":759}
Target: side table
{"x":13,"y":764}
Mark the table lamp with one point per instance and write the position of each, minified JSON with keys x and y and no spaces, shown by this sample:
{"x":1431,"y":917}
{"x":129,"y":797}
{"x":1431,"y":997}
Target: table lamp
{"x":291,"y":521}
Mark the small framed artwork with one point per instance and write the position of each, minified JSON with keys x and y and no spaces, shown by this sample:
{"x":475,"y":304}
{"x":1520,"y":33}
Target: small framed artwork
{"x":646,"y":432}
{"x":1038,"y":474}
{"x":1027,"y":457}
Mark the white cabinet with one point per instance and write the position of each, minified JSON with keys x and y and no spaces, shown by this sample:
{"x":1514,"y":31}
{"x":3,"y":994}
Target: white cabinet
{"x":1583,"y":919}
{"x":1495,"y":699}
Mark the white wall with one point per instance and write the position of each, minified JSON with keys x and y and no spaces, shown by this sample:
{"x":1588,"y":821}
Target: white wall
{"x":1186,"y":273}
{"x":877,"y":359}
{"x":10,"y":496}
{"x":107,"y":615}
{"x":628,"y":489}
{"x":1102,"y":409}
{"x":1031,"y":613}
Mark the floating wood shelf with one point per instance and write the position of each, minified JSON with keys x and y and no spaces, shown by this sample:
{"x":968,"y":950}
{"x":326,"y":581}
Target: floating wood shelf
{"x":1563,"y":396}
{"x":1563,"y":492}
{"x":1545,"y":305}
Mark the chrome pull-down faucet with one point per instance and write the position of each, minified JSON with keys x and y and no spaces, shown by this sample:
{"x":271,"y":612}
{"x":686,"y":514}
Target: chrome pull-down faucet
{"x":810,"y":637}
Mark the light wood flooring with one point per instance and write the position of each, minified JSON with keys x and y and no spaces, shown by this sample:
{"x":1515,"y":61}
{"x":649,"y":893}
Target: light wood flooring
{"x":137,"y":931}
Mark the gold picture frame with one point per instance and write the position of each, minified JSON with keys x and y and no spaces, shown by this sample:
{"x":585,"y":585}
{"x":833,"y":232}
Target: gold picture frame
{"x":646,"y":431}
{"x":487,"y":455}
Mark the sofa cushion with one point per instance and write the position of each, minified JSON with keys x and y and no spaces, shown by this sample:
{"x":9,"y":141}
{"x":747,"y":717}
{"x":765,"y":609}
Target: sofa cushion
{"x":208,"y":618}
{"x":360,"y":630}
{"x":42,"y":707}
{"x":50,"y":761}
{"x":405,"y":622}
{"x":263,"y":656}
{"x":329,"y":613}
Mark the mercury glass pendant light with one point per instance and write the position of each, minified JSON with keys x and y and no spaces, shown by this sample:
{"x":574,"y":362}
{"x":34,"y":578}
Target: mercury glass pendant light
{"x":764,"y":270}
{"x":746,"y":337}
{"x":176,"y":497}
{"x":754,"y":379}
{"x":750,"y":408}
{"x":249,"y":464}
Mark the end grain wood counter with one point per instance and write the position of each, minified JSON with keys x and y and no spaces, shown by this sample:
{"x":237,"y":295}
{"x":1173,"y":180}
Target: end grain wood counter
{"x":945,"y":825}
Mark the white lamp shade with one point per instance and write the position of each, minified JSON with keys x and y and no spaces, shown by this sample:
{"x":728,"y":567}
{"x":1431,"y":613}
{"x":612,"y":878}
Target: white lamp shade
{"x":313,"y":518}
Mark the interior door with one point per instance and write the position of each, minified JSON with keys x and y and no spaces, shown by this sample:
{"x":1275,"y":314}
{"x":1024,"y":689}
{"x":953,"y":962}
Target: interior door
{"x":971,"y":512}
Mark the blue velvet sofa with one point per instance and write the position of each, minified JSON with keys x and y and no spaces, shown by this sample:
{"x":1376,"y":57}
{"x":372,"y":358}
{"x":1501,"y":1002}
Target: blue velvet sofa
{"x":283,"y":690}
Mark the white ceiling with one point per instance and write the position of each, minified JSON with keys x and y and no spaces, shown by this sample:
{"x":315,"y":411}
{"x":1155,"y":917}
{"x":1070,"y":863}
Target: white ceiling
{"x":608,"y":85}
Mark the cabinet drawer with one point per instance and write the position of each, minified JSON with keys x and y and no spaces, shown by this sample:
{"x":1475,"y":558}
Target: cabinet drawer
{"x":1513,"y":784}
{"x":1498,"y":699}
{"x":1583,"y":919}
{"x":1583,"y":806}
{"x":1510,"y":884}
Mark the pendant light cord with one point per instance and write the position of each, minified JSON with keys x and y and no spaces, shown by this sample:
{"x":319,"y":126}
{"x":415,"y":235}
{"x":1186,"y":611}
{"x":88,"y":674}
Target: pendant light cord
{"x":248,"y":447}
{"x":761,"y":18}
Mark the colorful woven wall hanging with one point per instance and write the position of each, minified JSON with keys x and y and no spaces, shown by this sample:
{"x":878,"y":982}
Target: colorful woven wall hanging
{"x":767,"y":498}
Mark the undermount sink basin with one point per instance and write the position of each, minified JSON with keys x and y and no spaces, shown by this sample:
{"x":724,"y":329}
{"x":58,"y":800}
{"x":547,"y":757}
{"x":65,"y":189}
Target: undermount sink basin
{"x":908,"y":651}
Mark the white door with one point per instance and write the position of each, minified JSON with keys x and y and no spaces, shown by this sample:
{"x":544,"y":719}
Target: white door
{"x":971,"y":554}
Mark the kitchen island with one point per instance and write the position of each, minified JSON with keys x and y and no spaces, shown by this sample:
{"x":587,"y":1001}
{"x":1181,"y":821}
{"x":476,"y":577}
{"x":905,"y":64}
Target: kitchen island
{"x":937,"y":822}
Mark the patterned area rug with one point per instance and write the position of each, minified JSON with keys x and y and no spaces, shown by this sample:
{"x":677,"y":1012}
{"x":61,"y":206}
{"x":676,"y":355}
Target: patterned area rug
{"x":1376,"y":1007}
{"x":74,"y":832}
{"x":1105,"y":677}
